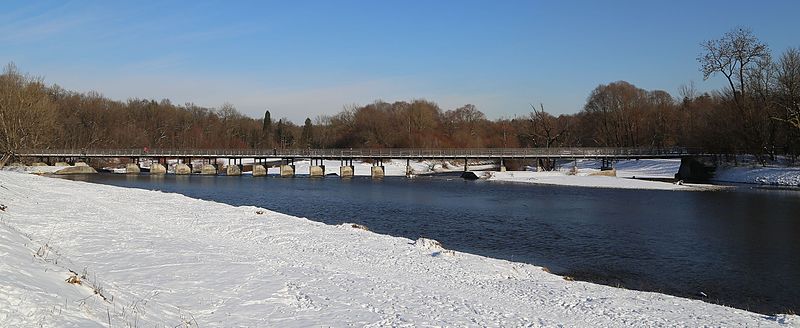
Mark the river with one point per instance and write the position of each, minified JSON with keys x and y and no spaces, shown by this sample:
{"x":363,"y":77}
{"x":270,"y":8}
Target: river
{"x":736,"y":247}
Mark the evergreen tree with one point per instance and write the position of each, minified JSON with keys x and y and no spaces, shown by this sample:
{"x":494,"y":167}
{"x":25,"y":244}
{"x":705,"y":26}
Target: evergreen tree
{"x":266,"y":128}
{"x":307,"y":135}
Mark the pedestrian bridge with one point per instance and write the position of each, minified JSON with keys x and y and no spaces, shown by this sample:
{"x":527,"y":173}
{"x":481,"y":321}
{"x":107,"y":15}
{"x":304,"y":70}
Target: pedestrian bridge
{"x":260,"y":158}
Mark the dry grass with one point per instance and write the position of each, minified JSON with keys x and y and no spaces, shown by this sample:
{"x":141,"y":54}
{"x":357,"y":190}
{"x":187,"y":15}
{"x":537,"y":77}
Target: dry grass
{"x":359,"y":226}
{"x":568,"y":278}
{"x":74,"y":279}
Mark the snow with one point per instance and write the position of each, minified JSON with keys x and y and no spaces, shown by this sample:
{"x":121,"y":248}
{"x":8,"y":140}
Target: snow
{"x":563,"y":179}
{"x":583,"y":170}
{"x":166,"y":260}
{"x":33,"y":169}
{"x":778,"y":176}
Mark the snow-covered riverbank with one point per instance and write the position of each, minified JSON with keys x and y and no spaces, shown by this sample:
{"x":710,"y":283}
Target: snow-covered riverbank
{"x":168,"y":260}
{"x":580,"y":174}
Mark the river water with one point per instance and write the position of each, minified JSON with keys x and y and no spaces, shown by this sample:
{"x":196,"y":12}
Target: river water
{"x":738,"y":247}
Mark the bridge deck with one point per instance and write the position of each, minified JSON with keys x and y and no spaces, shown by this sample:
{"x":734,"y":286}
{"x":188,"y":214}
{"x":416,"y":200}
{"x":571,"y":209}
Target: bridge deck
{"x":472,"y":153}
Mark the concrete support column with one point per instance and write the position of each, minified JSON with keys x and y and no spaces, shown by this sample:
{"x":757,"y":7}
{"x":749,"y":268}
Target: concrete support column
{"x":317,"y":171}
{"x":259,"y":170}
{"x":233,"y":170}
{"x":132,"y":168}
{"x":377,"y":171}
{"x":502,"y":165}
{"x":287,"y":170}
{"x":466,"y":164}
{"x":182,"y":169}
{"x":409,"y":170}
{"x":157,"y":169}
{"x":346,"y":171}
{"x":208,"y":169}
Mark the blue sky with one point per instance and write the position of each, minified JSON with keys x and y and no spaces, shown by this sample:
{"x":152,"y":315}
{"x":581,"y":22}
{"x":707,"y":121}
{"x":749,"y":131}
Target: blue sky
{"x":305,"y":58}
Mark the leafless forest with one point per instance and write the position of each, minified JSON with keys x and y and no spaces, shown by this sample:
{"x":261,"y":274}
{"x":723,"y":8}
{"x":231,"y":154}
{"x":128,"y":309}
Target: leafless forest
{"x":758,"y":112}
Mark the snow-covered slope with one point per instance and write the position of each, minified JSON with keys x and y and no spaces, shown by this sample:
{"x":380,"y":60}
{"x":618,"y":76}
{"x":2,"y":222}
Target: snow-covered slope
{"x":778,"y":176}
{"x":563,"y":179}
{"x":578,"y":174}
{"x":166,"y":260}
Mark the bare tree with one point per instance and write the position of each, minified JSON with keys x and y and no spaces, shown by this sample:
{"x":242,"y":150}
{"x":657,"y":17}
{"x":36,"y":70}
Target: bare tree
{"x":545,"y":126}
{"x":731,"y":56}
{"x":737,"y":56}
{"x":788,"y":86}
{"x":27,"y":117}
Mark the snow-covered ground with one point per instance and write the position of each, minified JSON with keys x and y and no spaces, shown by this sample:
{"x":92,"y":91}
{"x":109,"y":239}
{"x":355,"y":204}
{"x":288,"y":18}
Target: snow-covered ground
{"x":777,"y":176}
{"x":579,"y":174}
{"x":33,"y":169}
{"x":166,"y":260}
{"x":563,"y":179}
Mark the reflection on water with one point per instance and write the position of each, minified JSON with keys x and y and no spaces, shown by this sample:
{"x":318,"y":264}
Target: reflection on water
{"x":739,"y":247}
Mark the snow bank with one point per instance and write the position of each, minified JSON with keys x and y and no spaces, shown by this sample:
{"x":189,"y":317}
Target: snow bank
{"x":166,"y":260}
{"x":563,"y":179}
{"x":578,"y":174}
{"x":33,"y":169}
{"x":778,"y":176}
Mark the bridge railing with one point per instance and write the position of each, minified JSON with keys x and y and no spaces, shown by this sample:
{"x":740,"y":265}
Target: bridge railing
{"x":365,"y":153}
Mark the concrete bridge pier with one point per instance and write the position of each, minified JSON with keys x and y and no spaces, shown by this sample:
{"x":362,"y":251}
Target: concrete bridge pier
{"x":209,"y":168}
{"x":259,"y":170}
{"x":378,"y":169}
{"x":317,"y":168}
{"x":132,"y":168}
{"x":287,"y":170}
{"x":466,"y":164}
{"x":157,"y":168}
{"x":233,"y":169}
{"x":502,"y":165}
{"x":409,"y":170}
{"x":182,"y":169}
{"x":346,"y":169}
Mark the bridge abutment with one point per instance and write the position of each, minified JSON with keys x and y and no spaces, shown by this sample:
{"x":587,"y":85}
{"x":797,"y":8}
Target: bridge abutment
{"x":696,"y":169}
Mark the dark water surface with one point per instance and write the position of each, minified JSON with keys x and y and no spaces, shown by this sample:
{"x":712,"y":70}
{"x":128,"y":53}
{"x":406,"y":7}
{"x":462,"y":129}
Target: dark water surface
{"x":739,"y":247}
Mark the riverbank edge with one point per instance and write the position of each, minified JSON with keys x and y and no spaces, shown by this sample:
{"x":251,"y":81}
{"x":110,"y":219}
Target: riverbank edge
{"x":770,"y":319}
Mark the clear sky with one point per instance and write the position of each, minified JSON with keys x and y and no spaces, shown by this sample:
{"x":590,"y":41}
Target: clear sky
{"x":305,"y":58}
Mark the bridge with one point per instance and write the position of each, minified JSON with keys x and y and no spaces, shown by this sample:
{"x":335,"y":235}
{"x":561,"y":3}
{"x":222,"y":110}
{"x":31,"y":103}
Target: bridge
{"x":235,"y":157}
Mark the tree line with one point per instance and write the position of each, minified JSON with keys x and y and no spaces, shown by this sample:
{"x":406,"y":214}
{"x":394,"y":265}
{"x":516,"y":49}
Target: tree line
{"x":758,"y":112}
